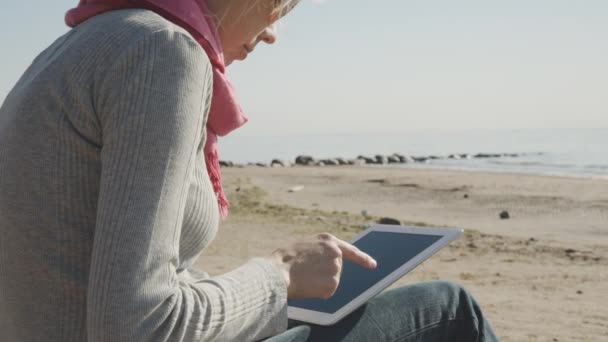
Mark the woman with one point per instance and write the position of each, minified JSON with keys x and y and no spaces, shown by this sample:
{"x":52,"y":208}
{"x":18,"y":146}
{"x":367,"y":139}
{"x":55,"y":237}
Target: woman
{"x":110,"y":189}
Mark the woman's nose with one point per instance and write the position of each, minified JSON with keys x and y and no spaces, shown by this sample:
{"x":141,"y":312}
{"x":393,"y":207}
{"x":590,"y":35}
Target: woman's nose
{"x":269,"y":35}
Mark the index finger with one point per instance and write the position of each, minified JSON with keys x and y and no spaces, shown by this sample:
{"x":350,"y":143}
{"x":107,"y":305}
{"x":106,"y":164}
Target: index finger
{"x":354,"y":254}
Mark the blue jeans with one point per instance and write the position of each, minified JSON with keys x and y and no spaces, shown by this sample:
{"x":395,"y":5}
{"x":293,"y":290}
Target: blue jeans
{"x":433,"y":311}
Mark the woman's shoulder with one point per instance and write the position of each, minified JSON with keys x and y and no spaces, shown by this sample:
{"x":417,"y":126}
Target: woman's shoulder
{"x":130,"y":20}
{"x":121,"y":29}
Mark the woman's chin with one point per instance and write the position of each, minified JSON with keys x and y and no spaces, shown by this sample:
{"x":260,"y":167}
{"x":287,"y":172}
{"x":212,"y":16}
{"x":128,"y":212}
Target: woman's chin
{"x":243,"y":55}
{"x":237,"y":57}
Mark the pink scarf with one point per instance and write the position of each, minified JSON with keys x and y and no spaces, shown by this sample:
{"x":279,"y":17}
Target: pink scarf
{"x":225,"y":114}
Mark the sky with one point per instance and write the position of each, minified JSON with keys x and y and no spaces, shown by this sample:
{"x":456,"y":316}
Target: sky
{"x":348,"y":66}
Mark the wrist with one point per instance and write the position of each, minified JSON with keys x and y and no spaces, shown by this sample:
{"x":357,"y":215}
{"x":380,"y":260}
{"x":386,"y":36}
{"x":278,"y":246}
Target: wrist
{"x":277,"y":260}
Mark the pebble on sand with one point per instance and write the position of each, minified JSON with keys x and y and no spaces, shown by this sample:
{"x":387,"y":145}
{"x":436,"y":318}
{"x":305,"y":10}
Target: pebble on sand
{"x":296,"y":188}
{"x":388,"y":220}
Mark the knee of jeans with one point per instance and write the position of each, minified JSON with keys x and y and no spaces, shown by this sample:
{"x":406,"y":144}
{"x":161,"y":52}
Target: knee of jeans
{"x":450,"y":287}
{"x":458,"y":297}
{"x":453,"y":291}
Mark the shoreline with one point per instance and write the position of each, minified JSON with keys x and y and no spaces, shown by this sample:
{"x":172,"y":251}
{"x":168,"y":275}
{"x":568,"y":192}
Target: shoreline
{"x":430,"y":165}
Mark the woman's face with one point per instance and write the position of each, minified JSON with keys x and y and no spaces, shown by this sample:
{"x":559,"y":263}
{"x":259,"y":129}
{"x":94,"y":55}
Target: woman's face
{"x":244,"y":23}
{"x":268,"y":36}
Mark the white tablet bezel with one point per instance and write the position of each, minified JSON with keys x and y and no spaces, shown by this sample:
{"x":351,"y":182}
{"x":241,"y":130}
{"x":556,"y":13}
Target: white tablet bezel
{"x":322,"y":318}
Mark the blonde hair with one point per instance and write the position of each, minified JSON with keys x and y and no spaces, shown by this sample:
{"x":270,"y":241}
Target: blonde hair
{"x":284,"y":6}
{"x":281,"y":8}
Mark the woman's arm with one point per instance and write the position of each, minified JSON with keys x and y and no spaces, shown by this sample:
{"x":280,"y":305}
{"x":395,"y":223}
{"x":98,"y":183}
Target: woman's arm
{"x":152,"y":105}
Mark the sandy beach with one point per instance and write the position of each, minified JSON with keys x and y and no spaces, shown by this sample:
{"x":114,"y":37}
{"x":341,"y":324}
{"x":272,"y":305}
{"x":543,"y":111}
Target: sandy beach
{"x":540,"y":275}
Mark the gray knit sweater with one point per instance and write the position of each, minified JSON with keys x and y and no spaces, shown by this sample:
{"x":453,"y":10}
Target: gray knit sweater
{"x":105,"y":202}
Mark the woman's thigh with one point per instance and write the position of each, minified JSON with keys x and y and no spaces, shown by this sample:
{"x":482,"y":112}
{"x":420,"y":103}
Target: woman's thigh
{"x":433,"y":311}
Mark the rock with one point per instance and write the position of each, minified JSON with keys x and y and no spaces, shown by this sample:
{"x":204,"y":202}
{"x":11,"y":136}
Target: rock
{"x":406,"y":159}
{"x":434,"y":157}
{"x":487,"y":155}
{"x":466,"y":156}
{"x":393,"y":160}
{"x":388,"y":220}
{"x":400,"y":157}
{"x":224,"y":163}
{"x":379,"y":181}
{"x":420,"y":159}
{"x":579,"y":292}
{"x":409,"y":185}
{"x":364,"y":212}
{"x":367,"y":160}
{"x":279,"y":163}
{"x":341,"y":161}
{"x":356,"y":162}
{"x":261,"y":165}
{"x":330,"y":162}
{"x":296,"y":188}
{"x":380,"y":159}
{"x":504,"y":215}
{"x":466,"y":196}
{"x":304,"y":160}
{"x":454,"y":156}
{"x":320,"y":163}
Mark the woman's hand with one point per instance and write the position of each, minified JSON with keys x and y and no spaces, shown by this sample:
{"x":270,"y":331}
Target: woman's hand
{"x":312,"y":267}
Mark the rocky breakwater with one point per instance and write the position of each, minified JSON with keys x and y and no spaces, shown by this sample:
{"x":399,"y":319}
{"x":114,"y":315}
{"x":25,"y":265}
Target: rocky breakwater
{"x":379,"y":159}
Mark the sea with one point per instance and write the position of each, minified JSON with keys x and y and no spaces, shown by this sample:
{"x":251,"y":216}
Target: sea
{"x":553,"y":152}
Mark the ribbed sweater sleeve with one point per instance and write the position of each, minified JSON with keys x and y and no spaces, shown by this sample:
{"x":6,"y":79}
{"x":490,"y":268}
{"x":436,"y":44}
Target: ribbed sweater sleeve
{"x":150,"y":104}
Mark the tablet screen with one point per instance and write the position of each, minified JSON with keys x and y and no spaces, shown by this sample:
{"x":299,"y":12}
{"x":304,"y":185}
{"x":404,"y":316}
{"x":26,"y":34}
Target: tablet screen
{"x":391,"y":251}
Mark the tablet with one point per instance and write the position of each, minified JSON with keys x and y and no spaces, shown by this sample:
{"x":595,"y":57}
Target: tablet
{"x":397,"y":250}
